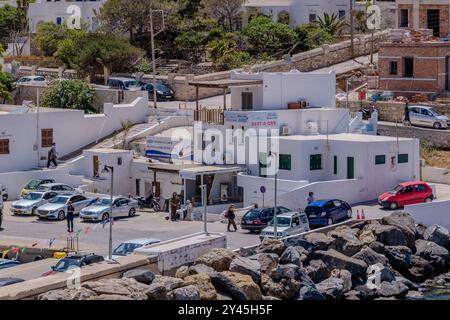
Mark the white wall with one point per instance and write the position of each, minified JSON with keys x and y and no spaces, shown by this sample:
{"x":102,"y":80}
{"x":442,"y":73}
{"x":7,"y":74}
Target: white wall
{"x":430,"y":213}
{"x":72,"y":130}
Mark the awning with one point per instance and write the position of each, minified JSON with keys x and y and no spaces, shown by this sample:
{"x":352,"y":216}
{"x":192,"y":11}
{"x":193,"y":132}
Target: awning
{"x":226,"y":83}
{"x":192,"y":173}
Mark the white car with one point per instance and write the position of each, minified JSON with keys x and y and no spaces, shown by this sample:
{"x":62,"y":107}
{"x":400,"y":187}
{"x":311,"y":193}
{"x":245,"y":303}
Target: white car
{"x":127,"y":247}
{"x":288,"y":224}
{"x":31,"y":202}
{"x":59,"y":188}
{"x":56,"y":208}
{"x":99,"y":210}
{"x":427,"y":117}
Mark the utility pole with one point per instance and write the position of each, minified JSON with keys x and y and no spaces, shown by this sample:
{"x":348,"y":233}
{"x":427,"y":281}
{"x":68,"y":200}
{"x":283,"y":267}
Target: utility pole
{"x":152,"y":40}
{"x":352,"y":49}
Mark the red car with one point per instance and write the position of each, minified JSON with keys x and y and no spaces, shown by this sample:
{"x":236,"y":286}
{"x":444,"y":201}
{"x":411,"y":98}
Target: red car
{"x":406,"y":193}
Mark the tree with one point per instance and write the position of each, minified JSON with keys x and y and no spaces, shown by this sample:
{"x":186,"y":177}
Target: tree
{"x":330,"y":24}
{"x":310,"y":37}
{"x":6,"y":87}
{"x":226,"y":55}
{"x":225,"y":11}
{"x":265,"y":35}
{"x":49,"y":35}
{"x":11,"y":20}
{"x":69,"y":94}
{"x":191,"y":45}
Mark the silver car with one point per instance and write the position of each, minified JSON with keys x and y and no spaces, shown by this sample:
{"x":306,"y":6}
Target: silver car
{"x":56,"y":208}
{"x":99,"y":210}
{"x":288,"y":224}
{"x":427,"y":117}
{"x":31,"y":202}
{"x":60,"y":188}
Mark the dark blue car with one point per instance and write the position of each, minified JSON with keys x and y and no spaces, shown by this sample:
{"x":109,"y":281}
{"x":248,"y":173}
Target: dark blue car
{"x":327,"y":212}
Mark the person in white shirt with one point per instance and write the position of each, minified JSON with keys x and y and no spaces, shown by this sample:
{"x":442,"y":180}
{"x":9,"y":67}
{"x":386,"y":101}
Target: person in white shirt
{"x":310,"y":198}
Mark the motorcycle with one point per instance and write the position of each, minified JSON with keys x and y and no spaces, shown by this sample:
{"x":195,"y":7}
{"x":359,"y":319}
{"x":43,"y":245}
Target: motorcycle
{"x":148,"y":203}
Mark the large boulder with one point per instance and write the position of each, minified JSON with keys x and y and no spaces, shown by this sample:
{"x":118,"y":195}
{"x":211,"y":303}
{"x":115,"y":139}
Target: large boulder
{"x":336,"y":260}
{"x":140,"y":275}
{"x":283,"y":289}
{"x":345,"y":240}
{"x":68,"y":294}
{"x":399,"y":257}
{"x":267,"y":261}
{"x":345,"y":275}
{"x":285,"y":271}
{"x":317,"y":270}
{"x":370,"y":257}
{"x":420,"y":269}
{"x":437,"y":234}
{"x":363,"y":292}
{"x":182,"y":272}
{"x":310,"y":293}
{"x":223,"y":283}
{"x":331,"y":288}
{"x":392,"y":289}
{"x":319,"y":240}
{"x":203,"y":284}
{"x":299,"y":242}
{"x":161,"y":285}
{"x":271,"y":245}
{"x":387,"y":234}
{"x":246,"y":284}
{"x":366,"y":237}
{"x":122,"y":287}
{"x":291,"y":255}
{"x":200,"y":269}
{"x":247,"y":266}
{"x":217,"y":258}
{"x":438,"y":256}
{"x":189,"y":292}
{"x":377,"y":246}
{"x":405,"y":223}
{"x":378,"y":273}
{"x":420,"y":230}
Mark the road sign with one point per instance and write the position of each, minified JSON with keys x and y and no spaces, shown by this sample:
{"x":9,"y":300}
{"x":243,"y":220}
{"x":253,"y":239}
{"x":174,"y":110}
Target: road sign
{"x":262,"y":189}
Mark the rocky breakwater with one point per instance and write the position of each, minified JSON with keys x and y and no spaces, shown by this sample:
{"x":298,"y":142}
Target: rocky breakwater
{"x":391,"y":258}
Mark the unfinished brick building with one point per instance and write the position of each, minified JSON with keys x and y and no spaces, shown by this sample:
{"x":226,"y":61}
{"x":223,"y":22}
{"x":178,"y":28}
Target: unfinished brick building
{"x":416,"y":64}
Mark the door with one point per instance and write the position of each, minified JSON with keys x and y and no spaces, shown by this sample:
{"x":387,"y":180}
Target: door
{"x":414,"y":116}
{"x":406,"y":196}
{"x":340,"y":212}
{"x":157,"y":188}
{"x":433,"y":21}
{"x":95,"y":166}
{"x":247,"y":101}
{"x":426,"y":118}
{"x":350,"y":168}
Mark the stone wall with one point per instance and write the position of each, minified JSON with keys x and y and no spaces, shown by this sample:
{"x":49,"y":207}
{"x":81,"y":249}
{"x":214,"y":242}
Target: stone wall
{"x":389,"y":110}
{"x":438,"y":138}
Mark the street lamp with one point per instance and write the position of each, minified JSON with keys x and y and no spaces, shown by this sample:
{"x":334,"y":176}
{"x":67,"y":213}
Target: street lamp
{"x":109,"y":169}
{"x":275,"y":220}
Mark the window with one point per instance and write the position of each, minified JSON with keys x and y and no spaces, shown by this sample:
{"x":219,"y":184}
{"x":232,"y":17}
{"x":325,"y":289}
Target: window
{"x":119,"y":161}
{"x":312,"y":17}
{"x":424,"y":112}
{"x":46,"y":138}
{"x":404,"y":18}
{"x":403,"y":158}
{"x":420,"y":187}
{"x":380,"y":159}
{"x":433,"y":21}
{"x":4,"y":146}
{"x":296,"y":221}
{"x":315,"y":162}
{"x":393,"y":67}
{"x":285,"y":162}
{"x":329,"y":205}
{"x":341,"y":14}
{"x":303,"y":219}
{"x":58,"y":21}
{"x":408,"y":67}
{"x":337,"y":203}
{"x":335,"y":165}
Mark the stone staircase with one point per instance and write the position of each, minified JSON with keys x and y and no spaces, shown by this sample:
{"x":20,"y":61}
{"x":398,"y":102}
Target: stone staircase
{"x":167,"y":66}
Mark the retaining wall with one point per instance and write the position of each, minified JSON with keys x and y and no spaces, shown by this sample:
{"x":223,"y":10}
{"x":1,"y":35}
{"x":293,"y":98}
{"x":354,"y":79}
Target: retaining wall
{"x":438,"y":138}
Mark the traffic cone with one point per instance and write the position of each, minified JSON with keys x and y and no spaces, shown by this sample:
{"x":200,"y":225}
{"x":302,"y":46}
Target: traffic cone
{"x":358,"y":216}
{"x":363,"y":217}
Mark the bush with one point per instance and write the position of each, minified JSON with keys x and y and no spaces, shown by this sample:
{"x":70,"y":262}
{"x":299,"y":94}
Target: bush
{"x":311,"y":37}
{"x":232,"y":60}
{"x":69,"y":94}
{"x":190,"y":45}
{"x":6,"y":87}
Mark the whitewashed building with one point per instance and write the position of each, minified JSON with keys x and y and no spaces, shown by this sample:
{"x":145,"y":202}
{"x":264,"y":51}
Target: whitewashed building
{"x":296,"y":12}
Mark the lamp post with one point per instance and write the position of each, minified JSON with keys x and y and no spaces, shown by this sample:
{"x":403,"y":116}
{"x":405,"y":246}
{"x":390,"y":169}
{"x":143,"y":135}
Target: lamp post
{"x":111,"y":170}
{"x":275,"y":220}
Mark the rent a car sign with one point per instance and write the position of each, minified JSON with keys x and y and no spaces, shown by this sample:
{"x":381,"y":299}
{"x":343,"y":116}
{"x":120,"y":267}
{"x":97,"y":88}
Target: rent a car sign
{"x":253,"y":119}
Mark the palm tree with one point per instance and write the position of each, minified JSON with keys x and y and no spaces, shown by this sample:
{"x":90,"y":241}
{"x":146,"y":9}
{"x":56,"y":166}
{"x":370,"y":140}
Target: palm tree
{"x":330,"y":24}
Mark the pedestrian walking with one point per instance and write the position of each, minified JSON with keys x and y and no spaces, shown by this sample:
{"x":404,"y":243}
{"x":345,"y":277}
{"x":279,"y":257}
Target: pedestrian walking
{"x":188,"y":211}
{"x":52,"y":156}
{"x":174,"y":204}
{"x":407,"y":120}
{"x":231,"y":216}
{"x":70,"y":212}
{"x":310,"y":198}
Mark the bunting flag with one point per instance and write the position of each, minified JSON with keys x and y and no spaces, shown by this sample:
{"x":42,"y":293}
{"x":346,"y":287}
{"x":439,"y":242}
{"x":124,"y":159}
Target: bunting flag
{"x":34,"y":244}
{"x":15,"y":250}
{"x":86,"y":230}
{"x":79,"y":231}
{"x":22,"y":251}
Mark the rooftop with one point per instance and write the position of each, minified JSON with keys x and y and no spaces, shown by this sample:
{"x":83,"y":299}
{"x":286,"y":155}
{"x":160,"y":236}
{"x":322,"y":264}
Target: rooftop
{"x":343,"y":137}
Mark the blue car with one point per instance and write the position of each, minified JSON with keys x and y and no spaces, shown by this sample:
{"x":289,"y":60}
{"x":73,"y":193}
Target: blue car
{"x":6,"y":263}
{"x":327,"y":212}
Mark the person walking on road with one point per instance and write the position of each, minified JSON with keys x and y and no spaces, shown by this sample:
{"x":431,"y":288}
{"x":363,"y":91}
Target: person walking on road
{"x":231,"y":216}
{"x":407,"y":120}
{"x":310,"y":198}
{"x":52,"y":156}
{"x":70,"y":212}
{"x":174,"y":203}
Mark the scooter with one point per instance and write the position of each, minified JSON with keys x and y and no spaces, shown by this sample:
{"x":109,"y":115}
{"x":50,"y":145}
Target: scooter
{"x":148,"y":203}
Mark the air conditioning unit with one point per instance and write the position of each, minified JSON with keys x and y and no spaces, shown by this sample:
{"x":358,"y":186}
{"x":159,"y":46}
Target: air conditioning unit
{"x":312,"y":128}
{"x":285,"y":130}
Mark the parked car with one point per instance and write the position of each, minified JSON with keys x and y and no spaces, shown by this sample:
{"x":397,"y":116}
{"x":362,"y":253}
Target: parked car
{"x":163,"y":91}
{"x":33,"y":184}
{"x":122,"y":83}
{"x":31,"y":79}
{"x":127,"y":247}
{"x":99,"y":210}
{"x":56,"y":208}
{"x":59,"y":188}
{"x":9,"y":281}
{"x":256,"y":219}
{"x":30,"y":203}
{"x":7,"y":263}
{"x":288,"y":224}
{"x":406,"y":193}
{"x":4,"y":192}
{"x":427,"y":117}
{"x":74,"y":261}
{"x":327,"y":212}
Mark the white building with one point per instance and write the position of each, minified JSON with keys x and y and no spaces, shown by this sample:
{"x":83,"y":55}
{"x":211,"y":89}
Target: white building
{"x":59,"y":11}
{"x":320,"y":148}
{"x":299,"y":12}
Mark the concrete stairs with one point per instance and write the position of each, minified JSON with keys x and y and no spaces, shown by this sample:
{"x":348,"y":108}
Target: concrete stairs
{"x":167,"y":66}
